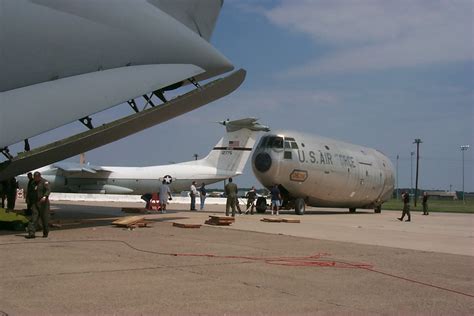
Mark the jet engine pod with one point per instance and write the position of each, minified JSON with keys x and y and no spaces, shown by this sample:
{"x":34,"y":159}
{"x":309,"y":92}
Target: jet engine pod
{"x":263,"y":162}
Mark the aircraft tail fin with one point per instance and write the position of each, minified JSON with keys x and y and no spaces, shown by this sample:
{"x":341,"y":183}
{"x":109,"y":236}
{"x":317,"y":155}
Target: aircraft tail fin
{"x":231,"y":153}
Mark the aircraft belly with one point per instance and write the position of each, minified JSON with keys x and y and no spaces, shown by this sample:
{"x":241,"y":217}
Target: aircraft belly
{"x":77,"y":37}
{"x":113,"y":131}
{"x":39,"y":110}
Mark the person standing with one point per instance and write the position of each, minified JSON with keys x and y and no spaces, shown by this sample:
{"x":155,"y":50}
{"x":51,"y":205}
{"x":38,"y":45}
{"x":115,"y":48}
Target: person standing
{"x":40,"y":208}
{"x":406,"y":207}
{"x":251,"y":196}
{"x":3,"y":191}
{"x":425,"y":203}
{"x":276,"y":198}
{"x":202,"y":195}
{"x":230,"y":190}
{"x":11,"y":193}
{"x":165,"y":194}
{"x":29,"y":192}
{"x":193,"y":194}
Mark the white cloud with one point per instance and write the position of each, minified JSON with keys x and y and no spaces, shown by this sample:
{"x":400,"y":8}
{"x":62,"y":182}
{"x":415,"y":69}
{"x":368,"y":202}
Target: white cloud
{"x":371,"y":35}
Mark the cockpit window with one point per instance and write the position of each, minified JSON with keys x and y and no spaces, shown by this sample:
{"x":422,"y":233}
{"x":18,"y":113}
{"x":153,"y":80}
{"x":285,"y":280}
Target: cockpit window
{"x":278,"y":142}
{"x":271,"y":142}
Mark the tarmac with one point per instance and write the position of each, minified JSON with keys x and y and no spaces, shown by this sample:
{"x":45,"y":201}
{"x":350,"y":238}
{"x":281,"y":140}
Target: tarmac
{"x":332,"y":262}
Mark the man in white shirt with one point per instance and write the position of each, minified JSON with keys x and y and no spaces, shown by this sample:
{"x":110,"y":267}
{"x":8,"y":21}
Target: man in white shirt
{"x":165,"y":193}
{"x":193,"y":194}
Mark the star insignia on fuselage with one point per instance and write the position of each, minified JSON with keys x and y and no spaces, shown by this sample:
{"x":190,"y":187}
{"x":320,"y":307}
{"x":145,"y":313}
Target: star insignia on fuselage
{"x":168,"y":179}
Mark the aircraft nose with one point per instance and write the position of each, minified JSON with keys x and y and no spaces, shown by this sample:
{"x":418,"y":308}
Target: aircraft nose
{"x":263,"y":162}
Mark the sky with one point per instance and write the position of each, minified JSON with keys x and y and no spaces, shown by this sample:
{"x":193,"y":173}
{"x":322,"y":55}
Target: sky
{"x":372,"y":73}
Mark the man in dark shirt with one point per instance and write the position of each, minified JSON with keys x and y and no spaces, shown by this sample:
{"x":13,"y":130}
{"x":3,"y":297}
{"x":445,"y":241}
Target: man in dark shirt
{"x":425,"y":203}
{"x":276,"y":198}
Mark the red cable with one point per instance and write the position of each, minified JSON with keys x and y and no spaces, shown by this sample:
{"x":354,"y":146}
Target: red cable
{"x":316,"y":261}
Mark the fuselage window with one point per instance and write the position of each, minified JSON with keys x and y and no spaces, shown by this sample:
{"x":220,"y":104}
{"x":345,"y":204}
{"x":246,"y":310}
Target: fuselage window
{"x":326,"y":146}
{"x":287,"y":155}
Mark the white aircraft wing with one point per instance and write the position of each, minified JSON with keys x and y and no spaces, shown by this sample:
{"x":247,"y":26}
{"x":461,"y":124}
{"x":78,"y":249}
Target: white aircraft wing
{"x":70,"y":167}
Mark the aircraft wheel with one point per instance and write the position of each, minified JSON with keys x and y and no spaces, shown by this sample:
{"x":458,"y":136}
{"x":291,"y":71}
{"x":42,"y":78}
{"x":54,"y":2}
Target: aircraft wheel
{"x":378,"y":209}
{"x":352,"y":209}
{"x":261,"y":205}
{"x":300,"y":206}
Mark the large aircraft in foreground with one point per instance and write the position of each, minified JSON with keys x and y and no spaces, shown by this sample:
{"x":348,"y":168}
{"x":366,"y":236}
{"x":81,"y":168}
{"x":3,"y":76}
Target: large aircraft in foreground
{"x":317,"y":171}
{"x":63,"y":61}
{"x":226,"y":159}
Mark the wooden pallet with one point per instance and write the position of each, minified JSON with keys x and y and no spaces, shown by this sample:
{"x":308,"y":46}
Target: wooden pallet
{"x":131,"y":222}
{"x":181,"y":225}
{"x":290,"y":220}
{"x":220,"y":220}
{"x":271,"y":220}
{"x":279,"y":220}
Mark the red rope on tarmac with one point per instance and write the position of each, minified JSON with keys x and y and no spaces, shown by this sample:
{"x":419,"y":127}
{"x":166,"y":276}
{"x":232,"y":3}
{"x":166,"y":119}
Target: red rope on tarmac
{"x":304,"y":261}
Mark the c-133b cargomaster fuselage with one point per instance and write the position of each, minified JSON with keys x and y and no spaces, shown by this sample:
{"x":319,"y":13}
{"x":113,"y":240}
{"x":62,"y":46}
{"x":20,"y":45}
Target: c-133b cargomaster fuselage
{"x":64,"y":60}
{"x":319,"y":171}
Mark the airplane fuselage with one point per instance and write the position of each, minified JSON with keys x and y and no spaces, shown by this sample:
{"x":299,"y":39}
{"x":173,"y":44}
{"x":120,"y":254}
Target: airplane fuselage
{"x":323,"y":171}
{"x":131,"y":180}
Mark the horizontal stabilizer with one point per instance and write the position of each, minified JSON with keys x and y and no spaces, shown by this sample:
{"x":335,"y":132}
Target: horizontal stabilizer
{"x":248,"y":123}
{"x":118,"y":129}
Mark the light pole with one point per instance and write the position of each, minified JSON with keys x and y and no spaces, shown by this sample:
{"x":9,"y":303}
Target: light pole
{"x":411,"y":171}
{"x":463,"y":149}
{"x":417,"y":142}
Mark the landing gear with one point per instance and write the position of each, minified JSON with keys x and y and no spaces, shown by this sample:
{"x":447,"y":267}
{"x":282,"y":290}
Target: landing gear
{"x":378,"y":209}
{"x":261,"y":205}
{"x":300,"y":206}
{"x":352,"y":209}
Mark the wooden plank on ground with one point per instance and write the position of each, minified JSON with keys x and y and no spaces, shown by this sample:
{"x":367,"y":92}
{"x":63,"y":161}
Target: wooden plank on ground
{"x":271,"y":220}
{"x":222,"y":218}
{"x":290,"y":220}
{"x":128,"y":220}
{"x":182,"y":225}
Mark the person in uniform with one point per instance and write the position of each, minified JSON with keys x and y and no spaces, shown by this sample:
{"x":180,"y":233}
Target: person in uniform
{"x":165,"y":194}
{"x":40,"y":208}
{"x":251,"y":196}
{"x":11,"y":193}
{"x":230,"y":190}
{"x":29,"y":193}
{"x":406,"y":207}
{"x":3,"y":191}
{"x":193,"y":194}
{"x":425,"y":203}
